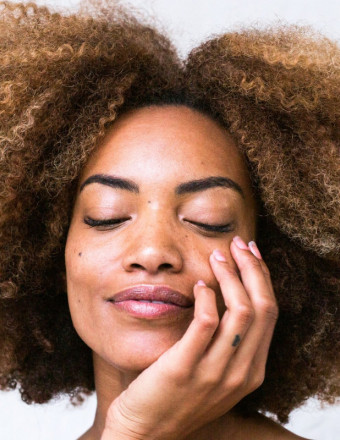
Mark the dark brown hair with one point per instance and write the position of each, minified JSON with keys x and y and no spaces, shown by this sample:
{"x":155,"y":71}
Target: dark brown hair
{"x":66,"y":77}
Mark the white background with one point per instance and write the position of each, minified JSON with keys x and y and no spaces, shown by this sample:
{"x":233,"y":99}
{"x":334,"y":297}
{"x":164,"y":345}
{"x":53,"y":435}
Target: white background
{"x":187,"y":22}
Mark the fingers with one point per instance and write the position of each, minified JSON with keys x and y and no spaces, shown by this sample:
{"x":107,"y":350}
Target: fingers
{"x":238,"y":317}
{"x":252,"y":311}
{"x":243,"y":335}
{"x":198,"y":336}
{"x":233,"y":326}
{"x":256,"y":280}
{"x":257,"y":261}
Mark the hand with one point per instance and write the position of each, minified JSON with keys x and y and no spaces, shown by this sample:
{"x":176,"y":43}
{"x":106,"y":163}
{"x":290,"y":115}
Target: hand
{"x":213,"y":366}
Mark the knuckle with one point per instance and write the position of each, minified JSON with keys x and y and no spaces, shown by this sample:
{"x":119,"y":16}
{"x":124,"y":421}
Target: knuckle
{"x":269,"y":309}
{"x":265,"y":269}
{"x":236,"y":382}
{"x":211,"y":380}
{"x":178,"y":375}
{"x":208,"y":321}
{"x":257,"y":381}
{"x":229,"y":270}
{"x":245,"y":313}
{"x":253,"y":262}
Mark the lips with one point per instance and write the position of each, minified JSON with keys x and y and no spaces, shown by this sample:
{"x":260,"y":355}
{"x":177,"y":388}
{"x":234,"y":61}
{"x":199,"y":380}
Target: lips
{"x":151,"y":302}
{"x":152,"y":294}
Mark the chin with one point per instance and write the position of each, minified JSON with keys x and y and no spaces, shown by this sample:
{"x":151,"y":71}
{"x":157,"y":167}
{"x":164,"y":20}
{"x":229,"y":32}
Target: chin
{"x":137,"y":350}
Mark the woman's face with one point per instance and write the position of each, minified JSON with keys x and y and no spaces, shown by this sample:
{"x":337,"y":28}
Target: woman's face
{"x":145,"y":163}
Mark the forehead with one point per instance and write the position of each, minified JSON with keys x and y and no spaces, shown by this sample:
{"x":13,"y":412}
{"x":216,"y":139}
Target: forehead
{"x":170,"y":142}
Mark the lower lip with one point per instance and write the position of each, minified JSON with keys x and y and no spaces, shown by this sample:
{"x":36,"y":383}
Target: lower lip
{"x":149,"y":310}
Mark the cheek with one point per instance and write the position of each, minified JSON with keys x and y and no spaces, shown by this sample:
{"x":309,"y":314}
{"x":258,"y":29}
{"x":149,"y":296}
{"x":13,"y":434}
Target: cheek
{"x":85,"y":269}
{"x":88,"y":265}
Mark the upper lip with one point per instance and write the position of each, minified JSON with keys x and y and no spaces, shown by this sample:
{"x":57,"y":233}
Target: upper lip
{"x":152,"y":292}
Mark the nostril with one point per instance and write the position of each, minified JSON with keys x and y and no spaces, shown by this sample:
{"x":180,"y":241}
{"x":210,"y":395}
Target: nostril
{"x":136,"y":266}
{"x":162,"y":266}
{"x":153,"y":261}
{"x":165,"y":266}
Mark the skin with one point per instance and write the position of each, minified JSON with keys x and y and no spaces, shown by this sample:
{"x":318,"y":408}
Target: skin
{"x":138,"y":362}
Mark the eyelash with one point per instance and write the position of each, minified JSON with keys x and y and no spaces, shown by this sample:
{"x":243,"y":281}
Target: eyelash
{"x":110,"y":222}
{"x":213,"y":228}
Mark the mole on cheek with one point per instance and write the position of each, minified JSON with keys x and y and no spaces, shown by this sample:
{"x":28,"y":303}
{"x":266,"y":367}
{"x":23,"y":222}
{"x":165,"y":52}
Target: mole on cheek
{"x":79,"y":254}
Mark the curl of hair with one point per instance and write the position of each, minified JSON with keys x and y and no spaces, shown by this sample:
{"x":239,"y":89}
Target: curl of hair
{"x":65,"y":78}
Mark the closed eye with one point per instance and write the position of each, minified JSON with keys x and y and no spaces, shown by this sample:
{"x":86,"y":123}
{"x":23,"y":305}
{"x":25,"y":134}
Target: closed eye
{"x":213,"y":228}
{"x":111,"y":223}
{"x":107,"y":222}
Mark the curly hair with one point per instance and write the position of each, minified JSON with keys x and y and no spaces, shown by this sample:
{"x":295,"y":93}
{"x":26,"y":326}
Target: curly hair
{"x":64,"y":79}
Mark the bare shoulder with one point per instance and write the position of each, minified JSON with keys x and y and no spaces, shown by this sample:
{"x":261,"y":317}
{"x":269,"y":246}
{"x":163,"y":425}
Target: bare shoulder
{"x":260,"y":427}
{"x":273,"y":430}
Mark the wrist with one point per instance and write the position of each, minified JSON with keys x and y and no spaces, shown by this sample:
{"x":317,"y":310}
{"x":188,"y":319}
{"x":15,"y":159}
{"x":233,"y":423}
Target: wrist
{"x":118,"y":434}
{"x":122,"y":424}
{"x":118,"y":426}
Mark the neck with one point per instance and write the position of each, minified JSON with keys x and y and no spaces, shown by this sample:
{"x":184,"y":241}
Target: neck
{"x":110,"y":382}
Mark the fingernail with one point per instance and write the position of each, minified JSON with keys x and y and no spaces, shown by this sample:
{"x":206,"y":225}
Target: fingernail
{"x":254,"y":249}
{"x":240,"y":243}
{"x":219,"y":255}
{"x":200,"y":283}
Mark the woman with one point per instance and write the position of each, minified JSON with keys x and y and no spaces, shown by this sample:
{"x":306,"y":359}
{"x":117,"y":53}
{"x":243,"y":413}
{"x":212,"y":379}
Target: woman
{"x":134,"y":186}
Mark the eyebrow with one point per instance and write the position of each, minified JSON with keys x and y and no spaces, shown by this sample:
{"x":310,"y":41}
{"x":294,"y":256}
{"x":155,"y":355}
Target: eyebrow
{"x":191,"y":186}
{"x":113,"y":181}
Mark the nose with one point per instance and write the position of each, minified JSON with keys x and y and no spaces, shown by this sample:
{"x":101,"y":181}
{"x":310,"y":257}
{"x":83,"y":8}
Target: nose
{"x":153,"y":248}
